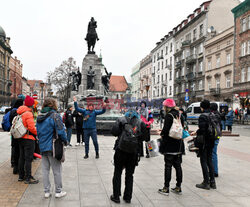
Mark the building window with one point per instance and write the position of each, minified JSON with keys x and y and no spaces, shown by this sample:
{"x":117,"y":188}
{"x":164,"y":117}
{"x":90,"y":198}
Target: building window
{"x":154,"y":58}
{"x":158,"y":80}
{"x":209,"y":84}
{"x":166,"y":77}
{"x":162,"y":65}
{"x":171,"y":47}
{"x":183,"y":87}
{"x":209,"y":65}
{"x":187,"y":53}
{"x":166,"y":50}
{"x":243,"y":49}
{"x":170,"y":61}
{"x":201,"y":30}
{"x":201,"y":48}
{"x":177,"y":74}
{"x":200,"y":85}
{"x":176,"y":90}
{"x":243,"y":75}
{"x":228,"y":58}
{"x":188,"y":36}
{"x":162,"y":78}
{"x":228,"y":81}
{"x":201,"y":66}
{"x":170,"y":75}
{"x":158,"y":65}
{"x":194,"y":34}
{"x":166,"y":63}
{"x":182,"y":71}
{"x":248,"y":74}
{"x":249,"y":46}
{"x":170,"y":90}
{"x":218,"y":82}
{"x":218,"y":62}
{"x":244,"y":24}
{"x":193,"y":87}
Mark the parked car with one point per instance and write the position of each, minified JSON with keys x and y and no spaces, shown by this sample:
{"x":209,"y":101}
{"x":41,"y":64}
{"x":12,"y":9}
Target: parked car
{"x":3,"y":108}
{"x":193,"y":111}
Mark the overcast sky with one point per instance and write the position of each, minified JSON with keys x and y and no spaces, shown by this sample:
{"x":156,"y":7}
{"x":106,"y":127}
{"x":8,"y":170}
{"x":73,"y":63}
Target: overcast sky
{"x":45,"y":32}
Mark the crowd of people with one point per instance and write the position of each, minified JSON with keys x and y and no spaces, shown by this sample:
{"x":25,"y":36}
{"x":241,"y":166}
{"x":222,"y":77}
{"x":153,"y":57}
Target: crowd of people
{"x":131,"y":130}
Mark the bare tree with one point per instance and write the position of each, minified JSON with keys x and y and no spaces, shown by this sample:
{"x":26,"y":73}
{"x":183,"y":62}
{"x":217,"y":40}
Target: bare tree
{"x":61,"y":79}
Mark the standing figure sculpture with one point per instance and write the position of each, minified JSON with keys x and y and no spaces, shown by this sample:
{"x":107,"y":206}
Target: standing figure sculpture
{"x":90,"y":78}
{"x":78,"y":78}
{"x":91,"y":36}
{"x":105,"y":80}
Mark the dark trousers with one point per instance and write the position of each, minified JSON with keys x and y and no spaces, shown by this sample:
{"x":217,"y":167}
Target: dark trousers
{"x":26,"y":147}
{"x":147,"y":138}
{"x":79,"y":134}
{"x":93,"y":134}
{"x":207,"y":164}
{"x":128,"y":161}
{"x":14,"y":152}
{"x":175,"y":161}
{"x":229,"y":128}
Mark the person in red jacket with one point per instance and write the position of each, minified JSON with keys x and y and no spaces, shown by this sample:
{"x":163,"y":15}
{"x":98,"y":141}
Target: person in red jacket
{"x":147,"y":118}
{"x":27,"y":142}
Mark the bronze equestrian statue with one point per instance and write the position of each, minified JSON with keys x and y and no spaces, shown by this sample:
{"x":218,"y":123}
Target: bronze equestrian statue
{"x":91,"y":36}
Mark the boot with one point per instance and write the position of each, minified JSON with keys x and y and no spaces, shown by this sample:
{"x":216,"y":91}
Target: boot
{"x":213,"y":185}
{"x":203,"y":185}
{"x":97,"y":155}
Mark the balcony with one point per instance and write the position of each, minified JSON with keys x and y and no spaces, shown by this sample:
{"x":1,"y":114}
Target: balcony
{"x":190,"y":76}
{"x":191,"y":59}
{"x":215,"y":91}
{"x":178,"y":64}
{"x":186,"y":43}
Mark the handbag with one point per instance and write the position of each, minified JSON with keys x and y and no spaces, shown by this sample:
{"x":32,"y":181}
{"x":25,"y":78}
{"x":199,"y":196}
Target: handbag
{"x":185,"y":134}
{"x":58,"y":146}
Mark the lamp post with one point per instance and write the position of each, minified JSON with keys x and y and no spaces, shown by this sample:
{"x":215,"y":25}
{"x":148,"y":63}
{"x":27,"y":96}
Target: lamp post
{"x":42,"y":85}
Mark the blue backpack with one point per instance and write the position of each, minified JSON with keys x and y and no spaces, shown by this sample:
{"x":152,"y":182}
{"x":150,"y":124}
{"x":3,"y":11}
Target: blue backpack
{"x":6,"y":121}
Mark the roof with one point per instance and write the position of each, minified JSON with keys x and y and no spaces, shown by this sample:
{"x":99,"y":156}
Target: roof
{"x":241,"y":8}
{"x":32,"y":82}
{"x":2,"y":32}
{"x":118,"y":84}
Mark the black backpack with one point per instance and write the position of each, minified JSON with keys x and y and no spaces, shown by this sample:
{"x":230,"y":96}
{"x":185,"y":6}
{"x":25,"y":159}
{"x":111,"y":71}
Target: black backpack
{"x":214,"y":130}
{"x":131,"y":130}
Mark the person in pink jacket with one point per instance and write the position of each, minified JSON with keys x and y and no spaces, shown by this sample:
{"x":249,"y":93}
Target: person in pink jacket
{"x":147,"y":118}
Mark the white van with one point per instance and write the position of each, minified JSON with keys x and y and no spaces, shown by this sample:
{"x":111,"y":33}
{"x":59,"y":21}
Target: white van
{"x":193,"y":111}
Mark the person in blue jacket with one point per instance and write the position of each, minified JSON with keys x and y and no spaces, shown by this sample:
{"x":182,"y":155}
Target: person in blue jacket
{"x":230,"y":119}
{"x":89,"y":125}
{"x":49,"y":121}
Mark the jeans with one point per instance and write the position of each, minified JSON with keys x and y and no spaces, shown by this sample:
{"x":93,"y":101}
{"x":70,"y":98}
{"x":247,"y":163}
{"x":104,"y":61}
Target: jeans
{"x":69,"y":133}
{"x":207,"y":164}
{"x":79,"y":134}
{"x":214,"y":157}
{"x":93,"y":134}
{"x":49,"y":161}
{"x":223,"y":123}
{"x":175,"y":161}
{"x":128,"y":161}
{"x":26,"y":147}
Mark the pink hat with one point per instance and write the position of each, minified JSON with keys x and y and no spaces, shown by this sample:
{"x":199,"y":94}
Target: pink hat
{"x":169,"y":103}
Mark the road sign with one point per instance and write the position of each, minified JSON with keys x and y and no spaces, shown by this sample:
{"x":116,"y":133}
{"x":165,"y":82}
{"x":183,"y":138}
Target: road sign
{"x":34,"y":96}
{"x":187,"y":99}
{"x":187,"y":90}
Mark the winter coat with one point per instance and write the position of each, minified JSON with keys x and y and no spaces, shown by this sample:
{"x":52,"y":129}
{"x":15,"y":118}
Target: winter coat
{"x":69,"y":122}
{"x":46,"y":126}
{"x":230,"y":118}
{"x":89,"y":117}
{"x":169,"y":144}
{"x":149,"y":121}
{"x":223,"y":116}
{"x":79,"y":119}
{"x":203,"y":124}
{"x":28,"y":122}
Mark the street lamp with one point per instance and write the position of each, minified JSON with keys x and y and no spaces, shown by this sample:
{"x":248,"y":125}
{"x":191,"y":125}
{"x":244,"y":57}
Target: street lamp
{"x":42,"y":85}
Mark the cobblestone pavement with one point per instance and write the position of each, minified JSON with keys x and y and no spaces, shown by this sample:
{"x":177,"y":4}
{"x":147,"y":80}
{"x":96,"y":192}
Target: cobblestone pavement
{"x":89,"y":182}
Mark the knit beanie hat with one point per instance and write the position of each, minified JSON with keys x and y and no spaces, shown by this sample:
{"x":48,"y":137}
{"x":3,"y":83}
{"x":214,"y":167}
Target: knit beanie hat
{"x":29,"y":101}
{"x":21,"y":96}
{"x":170,"y":103}
{"x":205,"y":104}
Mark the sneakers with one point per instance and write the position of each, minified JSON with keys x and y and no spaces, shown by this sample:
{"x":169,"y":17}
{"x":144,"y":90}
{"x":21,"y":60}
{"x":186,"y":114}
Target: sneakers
{"x":176,"y":190}
{"x":82,"y":143}
{"x":213,"y":185}
{"x":77,"y":144}
{"x":47,"y":195}
{"x":86,"y":156}
{"x":20,"y":179}
{"x":116,"y":200}
{"x":97,"y":156}
{"x":147,"y":156}
{"x":203,"y":185}
{"x":31,"y":180}
{"x":164,"y":191}
{"x":61,"y":194}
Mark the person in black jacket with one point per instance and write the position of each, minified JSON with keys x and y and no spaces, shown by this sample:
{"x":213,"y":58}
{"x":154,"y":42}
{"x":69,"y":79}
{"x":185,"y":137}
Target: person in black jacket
{"x":124,"y":159}
{"x":223,"y":119}
{"x":205,"y":150}
{"x":79,"y":124}
{"x":69,"y":123}
{"x":14,"y":142}
{"x":171,"y":148}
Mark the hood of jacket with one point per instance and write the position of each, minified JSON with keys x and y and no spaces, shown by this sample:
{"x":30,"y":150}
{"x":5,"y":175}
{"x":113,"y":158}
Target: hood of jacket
{"x":43,"y":116}
{"x":18,"y":103}
{"x":23,"y":109}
